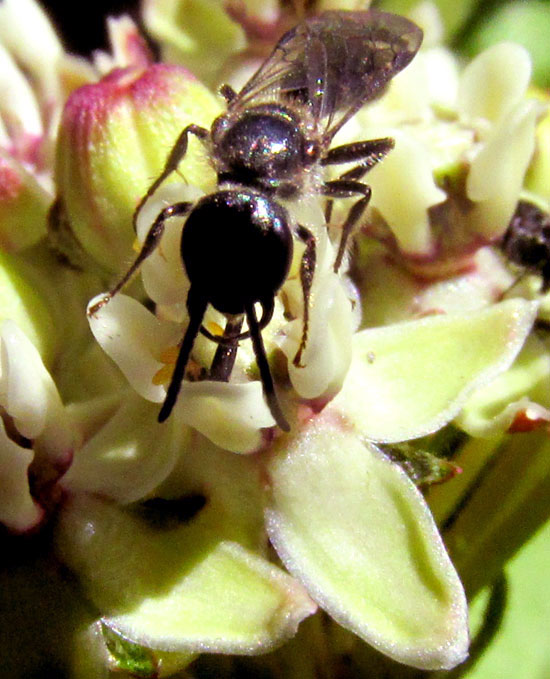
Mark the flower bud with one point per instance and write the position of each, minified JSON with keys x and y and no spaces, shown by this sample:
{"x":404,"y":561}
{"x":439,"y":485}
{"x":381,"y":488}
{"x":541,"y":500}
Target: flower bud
{"x":23,"y":206}
{"x":114,"y":138}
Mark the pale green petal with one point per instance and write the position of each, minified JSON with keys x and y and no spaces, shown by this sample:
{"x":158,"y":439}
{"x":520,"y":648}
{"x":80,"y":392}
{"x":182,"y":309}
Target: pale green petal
{"x":524,"y":387}
{"x":24,"y":205}
{"x":192,"y":31}
{"x":355,"y":530}
{"x":409,"y":379}
{"x":25,"y":299}
{"x":180,"y":589}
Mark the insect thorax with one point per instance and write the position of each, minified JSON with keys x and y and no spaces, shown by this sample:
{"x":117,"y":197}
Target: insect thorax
{"x":264,"y":146}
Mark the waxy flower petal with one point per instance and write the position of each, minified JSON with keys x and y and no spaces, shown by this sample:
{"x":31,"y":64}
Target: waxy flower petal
{"x":493,"y":84}
{"x":353,"y":528}
{"x":18,"y":511}
{"x":231,"y":415}
{"x":30,"y":397}
{"x":406,"y":211}
{"x":135,"y":339}
{"x":498,"y":171}
{"x":27,"y":31}
{"x":129,"y":456}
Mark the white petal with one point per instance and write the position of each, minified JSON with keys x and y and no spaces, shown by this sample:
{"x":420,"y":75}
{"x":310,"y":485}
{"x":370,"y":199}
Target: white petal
{"x":163,"y":275}
{"x":230,"y":415}
{"x":29,"y":394}
{"x":27,"y":32}
{"x":17,"y":101}
{"x":18,"y":511}
{"x":497,"y":172}
{"x":403,"y":195}
{"x":129,"y":456}
{"x":494,"y":82}
{"x":327,"y":355}
{"x":134,"y":338}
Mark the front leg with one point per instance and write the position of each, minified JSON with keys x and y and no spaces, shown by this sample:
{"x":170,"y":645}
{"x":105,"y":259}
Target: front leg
{"x":175,"y":157}
{"x":151,"y":241}
{"x":367,"y":154}
{"x":346,"y":188}
{"x":307,"y":271}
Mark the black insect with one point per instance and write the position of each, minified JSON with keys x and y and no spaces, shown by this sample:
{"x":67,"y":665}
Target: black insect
{"x":268,"y":148}
{"x":527,"y":241}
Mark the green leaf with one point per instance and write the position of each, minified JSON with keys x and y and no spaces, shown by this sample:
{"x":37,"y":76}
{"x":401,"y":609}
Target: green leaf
{"x":129,"y":656}
{"x":354,"y":529}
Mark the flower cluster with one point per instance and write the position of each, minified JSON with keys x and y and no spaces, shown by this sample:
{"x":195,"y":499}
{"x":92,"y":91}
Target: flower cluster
{"x":215,"y":532}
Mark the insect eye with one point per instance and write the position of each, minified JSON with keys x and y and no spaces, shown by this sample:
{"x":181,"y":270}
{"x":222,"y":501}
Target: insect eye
{"x":237,"y":247}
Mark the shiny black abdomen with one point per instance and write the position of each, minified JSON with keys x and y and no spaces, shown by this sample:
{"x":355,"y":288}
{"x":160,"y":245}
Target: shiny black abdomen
{"x":237,"y":247}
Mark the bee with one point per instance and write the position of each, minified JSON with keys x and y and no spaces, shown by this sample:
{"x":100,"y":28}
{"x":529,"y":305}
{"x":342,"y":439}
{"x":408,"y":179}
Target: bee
{"x":526,"y":242}
{"x":268,"y":148}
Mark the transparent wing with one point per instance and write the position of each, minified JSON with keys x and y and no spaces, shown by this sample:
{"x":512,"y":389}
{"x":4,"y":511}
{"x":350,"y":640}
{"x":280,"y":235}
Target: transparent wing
{"x":334,"y":63}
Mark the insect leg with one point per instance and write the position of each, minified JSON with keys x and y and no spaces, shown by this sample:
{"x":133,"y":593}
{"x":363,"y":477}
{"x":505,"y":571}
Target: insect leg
{"x":196,"y":305}
{"x":226,"y":352}
{"x":346,"y":188}
{"x":228,"y":338}
{"x":307,"y":270}
{"x":263,"y":366}
{"x":151,"y":241}
{"x":175,"y":157}
{"x":227,"y":92}
{"x":367,"y":153}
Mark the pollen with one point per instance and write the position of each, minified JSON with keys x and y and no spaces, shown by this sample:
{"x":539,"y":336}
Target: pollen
{"x":214,"y":328}
{"x":163,"y":375}
{"x":169,"y":357}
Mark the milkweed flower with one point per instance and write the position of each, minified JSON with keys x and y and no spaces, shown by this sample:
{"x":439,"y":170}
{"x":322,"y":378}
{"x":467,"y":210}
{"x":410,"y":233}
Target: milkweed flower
{"x":214,"y":532}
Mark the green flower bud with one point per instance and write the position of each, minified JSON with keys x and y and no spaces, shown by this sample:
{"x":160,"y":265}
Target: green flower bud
{"x":114,"y":138}
{"x":23,"y":207}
